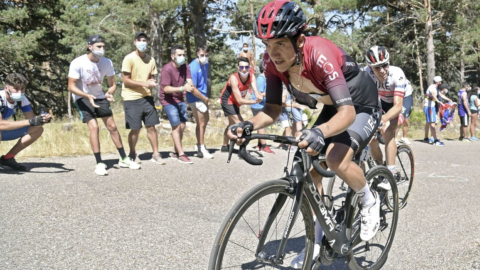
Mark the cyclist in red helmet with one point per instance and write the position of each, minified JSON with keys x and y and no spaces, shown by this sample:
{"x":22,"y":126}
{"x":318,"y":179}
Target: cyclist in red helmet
{"x":315,"y":70}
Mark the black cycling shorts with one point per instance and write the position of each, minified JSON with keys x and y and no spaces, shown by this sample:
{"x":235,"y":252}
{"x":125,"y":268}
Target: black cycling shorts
{"x":359,"y":134}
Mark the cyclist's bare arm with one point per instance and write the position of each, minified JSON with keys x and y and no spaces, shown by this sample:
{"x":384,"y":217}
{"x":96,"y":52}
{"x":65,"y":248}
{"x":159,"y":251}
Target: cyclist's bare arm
{"x":395,"y":110}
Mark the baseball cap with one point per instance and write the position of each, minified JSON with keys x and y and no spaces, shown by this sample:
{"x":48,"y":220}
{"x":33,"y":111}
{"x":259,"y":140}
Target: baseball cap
{"x":94,"y":39}
{"x":139,"y":34}
{"x":437,"y":79}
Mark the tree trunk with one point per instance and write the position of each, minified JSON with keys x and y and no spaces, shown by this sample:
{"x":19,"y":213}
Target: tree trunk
{"x":186,"y":35}
{"x":430,"y":47}
{"x":156,"y":42}
{"x":419,"y":60}
{"x":198,"y":13}
{"x":462,"y":63}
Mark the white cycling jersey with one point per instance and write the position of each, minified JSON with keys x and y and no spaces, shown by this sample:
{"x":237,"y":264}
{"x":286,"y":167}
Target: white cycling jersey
{"x":408,"y":89}
{"x":394,"y":85}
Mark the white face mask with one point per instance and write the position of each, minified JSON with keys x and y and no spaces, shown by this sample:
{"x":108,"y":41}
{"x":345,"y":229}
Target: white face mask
{"x":203,"y":60}
{"x":245,"y":49}
{"x":98,"y":54}
{"x":243,"y":75}
{"x":16,"y":96}
{"x":180,"y":60}
{"x":141,"y":46}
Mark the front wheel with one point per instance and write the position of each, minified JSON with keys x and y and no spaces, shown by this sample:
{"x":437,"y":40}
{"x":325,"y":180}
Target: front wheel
{"x":256,"y":224}
{"x":373,"y":253}
{"x":405,"y":171}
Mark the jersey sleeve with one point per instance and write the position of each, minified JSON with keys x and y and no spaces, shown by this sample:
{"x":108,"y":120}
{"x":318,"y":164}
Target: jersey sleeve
{"x":25,"y":105}
{"x":274,"y":82}
{"x":400,"y":83}
{"x":127,"y":64}
{"x":194,"y":72}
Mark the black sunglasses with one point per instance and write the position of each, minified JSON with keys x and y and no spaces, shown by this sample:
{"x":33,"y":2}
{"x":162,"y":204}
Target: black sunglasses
{"x":382,"y":66}
{"x":202,"y":55}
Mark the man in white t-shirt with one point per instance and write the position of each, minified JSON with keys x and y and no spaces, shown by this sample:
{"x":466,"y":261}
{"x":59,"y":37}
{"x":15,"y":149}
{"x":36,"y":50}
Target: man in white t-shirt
{"x":85,"y":79}
{"x":430,"y":112}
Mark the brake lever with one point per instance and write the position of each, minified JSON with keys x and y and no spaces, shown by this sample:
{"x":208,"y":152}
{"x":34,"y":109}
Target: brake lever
{"x":230,"y":150}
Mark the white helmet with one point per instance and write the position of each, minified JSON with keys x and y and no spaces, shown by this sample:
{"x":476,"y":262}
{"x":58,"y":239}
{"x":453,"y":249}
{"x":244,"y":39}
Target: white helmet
{"x":377,"y":56}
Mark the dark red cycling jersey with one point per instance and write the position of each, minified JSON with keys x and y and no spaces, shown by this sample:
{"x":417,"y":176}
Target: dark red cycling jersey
{"x":330,"y":69}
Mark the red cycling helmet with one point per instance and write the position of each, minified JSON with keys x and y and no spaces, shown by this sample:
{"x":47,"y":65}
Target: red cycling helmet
{"x":279,"y":19}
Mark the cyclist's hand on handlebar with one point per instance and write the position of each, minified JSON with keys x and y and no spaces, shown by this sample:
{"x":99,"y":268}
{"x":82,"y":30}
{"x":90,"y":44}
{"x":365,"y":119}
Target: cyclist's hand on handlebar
{"x":313,"y":139}
{"x":240,"y":130}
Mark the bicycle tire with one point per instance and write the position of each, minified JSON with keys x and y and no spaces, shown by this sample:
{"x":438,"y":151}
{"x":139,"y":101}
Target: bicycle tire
{"x":405,"y":168}
{"x":358,"y":257}
{"x":268,"y":192}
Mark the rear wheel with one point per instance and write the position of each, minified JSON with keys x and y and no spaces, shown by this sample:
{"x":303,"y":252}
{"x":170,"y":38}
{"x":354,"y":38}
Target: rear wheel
{"x":373,"y":253}
{"x":256,"y":225}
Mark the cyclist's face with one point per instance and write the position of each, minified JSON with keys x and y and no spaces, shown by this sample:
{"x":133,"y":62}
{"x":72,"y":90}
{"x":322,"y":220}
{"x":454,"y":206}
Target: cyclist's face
{"x":381,"y":71}
{"x":281,"y":52}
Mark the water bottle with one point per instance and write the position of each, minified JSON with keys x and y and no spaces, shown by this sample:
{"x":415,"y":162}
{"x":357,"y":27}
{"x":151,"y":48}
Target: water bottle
{"x":365,"y":153}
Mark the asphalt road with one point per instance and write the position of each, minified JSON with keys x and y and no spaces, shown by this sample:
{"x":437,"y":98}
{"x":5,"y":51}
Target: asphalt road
{"x":60,"y":215}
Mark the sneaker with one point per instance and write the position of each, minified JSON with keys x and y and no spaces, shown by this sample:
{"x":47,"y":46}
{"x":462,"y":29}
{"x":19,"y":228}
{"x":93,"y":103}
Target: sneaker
{"x":425,"y":140}
{"x":135,"y":158}
{"x":370,"y":216}
{"x":297,"y":263}
{"x":405,"y":140}
{"x":12,"y":163}
{"x":205,"y":153}
{"x":439,"y":143}
{"x":465,"y":140}
{"x":266,"y":149}
{"x":128,"y":163}
{"x":384,"y":185}
{"x":101,"y":169}
{"x":173,"y":156}
{"x":431,"y":140}
{"x":184,"y":159}
{"x":156,"y":158}
{"x":474,"y":138}
{"x":397,"y":142}
{"x":224,"y":149}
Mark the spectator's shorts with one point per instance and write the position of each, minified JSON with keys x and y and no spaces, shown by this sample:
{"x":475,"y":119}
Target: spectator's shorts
{"x":407,"y":106}
{"x":229,"y":109}
{"x":142,"y":109}
{"x":176,"y":113}
{"x":256,"y":111}
{"x":296,"y":113}
{"x":10,"y":135}
{"x":88,"y":112}
{"x":199,"y":105}
{"x":464,"y":121}
{"x":430,"y":114}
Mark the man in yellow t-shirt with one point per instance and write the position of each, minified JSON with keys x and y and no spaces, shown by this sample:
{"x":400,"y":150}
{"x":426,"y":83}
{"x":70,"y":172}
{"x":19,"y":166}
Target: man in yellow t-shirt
{"x":138,"y":69}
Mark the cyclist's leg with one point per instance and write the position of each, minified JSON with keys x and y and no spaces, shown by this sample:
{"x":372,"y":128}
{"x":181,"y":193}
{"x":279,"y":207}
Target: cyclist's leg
{"x":375,"y":151}
{"x":390,"y":145}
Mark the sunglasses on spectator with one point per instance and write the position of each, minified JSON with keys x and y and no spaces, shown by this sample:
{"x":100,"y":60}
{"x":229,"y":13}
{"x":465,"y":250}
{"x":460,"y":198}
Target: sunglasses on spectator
{"x":244,"y":67}
{"x":202,"y":55}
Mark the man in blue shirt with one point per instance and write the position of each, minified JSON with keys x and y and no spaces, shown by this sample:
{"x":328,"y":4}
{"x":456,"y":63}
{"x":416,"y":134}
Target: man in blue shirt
{"x":257,"y":107}
{"x":199,"y":71}
{"x":28,"y":130}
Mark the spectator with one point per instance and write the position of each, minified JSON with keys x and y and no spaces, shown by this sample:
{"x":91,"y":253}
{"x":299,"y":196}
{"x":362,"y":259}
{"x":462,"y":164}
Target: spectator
{"x":429,"y":110}
{"x":257,"y":108}
{"x":138,"y":69}
{"x":293,"y":108}
{"x":464,"y":111}
{"x":176,"y":78}
{"x":199,"y":71}
{"x":233,"y":95}
{"x":474,"y":107}
{"x":85,"y":78}
{"x":247,"y":54}
{"x":26,"y":131}
{"x":407,"y":108}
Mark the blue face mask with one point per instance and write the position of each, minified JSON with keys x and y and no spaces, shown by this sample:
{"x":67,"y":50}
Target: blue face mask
{"x":180,"y":60}
{"x":16,"y":96}
{"x":141,"y":46}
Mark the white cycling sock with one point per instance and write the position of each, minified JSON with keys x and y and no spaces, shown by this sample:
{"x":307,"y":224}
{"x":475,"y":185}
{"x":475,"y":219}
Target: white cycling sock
{"x":366,"y":196}
{"x":318,"y":231}
{"x":391,"y":168}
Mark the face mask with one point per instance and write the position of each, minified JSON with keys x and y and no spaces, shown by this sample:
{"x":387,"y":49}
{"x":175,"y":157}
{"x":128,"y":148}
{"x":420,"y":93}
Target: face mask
{"x":245,"y":49}
{"x":203,"y":60}
{"x":446,"y":92}
{"x":243,"y":75}
{"x":98,"y":54}
{"x":180,"y":60}
{"x":141,"y":46}
{"x":16,"y":96}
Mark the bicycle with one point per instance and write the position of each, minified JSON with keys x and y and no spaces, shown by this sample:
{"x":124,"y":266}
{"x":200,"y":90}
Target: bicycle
{"x":250,"y":238}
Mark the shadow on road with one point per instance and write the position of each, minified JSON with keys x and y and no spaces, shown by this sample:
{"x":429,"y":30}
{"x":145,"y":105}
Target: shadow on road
{"x":36,"y":167}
